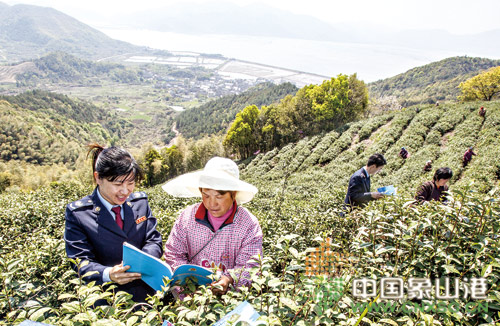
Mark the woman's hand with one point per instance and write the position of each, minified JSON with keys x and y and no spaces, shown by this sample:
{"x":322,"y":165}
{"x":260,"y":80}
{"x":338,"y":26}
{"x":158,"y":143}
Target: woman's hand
{"x":119,"y":274}
{"x":222,"y":285}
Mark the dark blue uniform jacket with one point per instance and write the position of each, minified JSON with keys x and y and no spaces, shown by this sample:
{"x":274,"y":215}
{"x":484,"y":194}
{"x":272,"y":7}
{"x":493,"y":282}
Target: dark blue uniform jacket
{"x":358,"y":192}
{"x":92,"y":234}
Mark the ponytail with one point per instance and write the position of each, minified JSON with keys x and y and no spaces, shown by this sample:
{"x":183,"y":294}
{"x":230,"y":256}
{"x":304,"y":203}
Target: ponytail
{"x":94,"y":150}
{"x":113,"y":162}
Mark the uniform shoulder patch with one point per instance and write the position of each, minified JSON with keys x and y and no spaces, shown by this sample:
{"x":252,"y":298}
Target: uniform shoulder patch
{"x":138,"y":195}
{"x":84,"y":202}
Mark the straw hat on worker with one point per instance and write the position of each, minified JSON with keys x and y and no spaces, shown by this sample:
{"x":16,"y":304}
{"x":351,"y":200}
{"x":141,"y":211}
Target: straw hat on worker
{"x":219,"y":174}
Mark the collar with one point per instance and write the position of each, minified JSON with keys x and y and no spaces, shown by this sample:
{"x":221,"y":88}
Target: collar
{"x":201,"y":213}
{"x":366,"y":171}
{"x":436,"y":186}
{"x":107,"y":204}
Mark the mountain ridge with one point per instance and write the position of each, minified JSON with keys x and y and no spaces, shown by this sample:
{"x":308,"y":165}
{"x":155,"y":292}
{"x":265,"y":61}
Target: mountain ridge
{"x":262,"y":20}
{"x":437,"y":81}
{"x":28,"y":31}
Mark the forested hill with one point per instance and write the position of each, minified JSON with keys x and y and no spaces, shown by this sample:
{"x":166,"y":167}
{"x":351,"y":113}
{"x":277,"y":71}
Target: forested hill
{"x":44,"y":128}
{"x":437,"y":81}
{"x":216,"y":116}
{"x":324,"y":163}
{"x":60,"y":67}
{"x":28,"y":31}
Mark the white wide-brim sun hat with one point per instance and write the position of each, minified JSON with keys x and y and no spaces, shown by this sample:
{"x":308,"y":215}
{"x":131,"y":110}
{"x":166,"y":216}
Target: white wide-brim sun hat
{"x":219,"y":174}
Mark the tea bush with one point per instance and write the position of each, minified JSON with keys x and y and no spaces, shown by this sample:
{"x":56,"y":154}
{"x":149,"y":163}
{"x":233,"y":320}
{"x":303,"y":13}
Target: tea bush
{"x":323,"y":145}
{"x":299,"y":206}
{"x":388,"y":238}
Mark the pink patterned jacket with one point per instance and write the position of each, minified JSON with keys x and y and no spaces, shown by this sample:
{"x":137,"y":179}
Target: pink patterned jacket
{"x":236,"y":241}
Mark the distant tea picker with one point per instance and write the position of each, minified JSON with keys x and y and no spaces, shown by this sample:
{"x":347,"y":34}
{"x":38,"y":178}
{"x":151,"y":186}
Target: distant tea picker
{"x":468,"y":156}
{"x":218,"y":232}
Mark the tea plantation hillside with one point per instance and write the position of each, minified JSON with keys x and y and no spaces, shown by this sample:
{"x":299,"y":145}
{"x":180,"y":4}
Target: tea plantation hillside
{"x":301,"y":189}
{"x":439,"y":133}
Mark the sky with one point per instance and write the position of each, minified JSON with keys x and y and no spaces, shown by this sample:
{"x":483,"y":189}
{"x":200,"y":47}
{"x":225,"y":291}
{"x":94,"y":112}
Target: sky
{"x":454,"y":16}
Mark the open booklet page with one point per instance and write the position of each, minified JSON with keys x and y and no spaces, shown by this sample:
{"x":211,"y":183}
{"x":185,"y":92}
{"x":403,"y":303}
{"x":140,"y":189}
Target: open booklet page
{"x":387,"y":190}
{"x":244,"y":313}
{"x":154,"y":269}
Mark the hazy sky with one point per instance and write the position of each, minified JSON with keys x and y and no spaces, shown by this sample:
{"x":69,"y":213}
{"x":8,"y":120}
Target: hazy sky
{"x":455,"y":16}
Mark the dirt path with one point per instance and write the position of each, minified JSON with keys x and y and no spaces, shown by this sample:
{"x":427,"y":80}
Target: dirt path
{"x":173,"y":141}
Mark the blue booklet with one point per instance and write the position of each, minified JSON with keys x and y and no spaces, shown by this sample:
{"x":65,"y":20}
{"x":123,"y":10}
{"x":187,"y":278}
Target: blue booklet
{"x":154,"y":269}
{"x":244,"y":312}
{"x":387,"y":190}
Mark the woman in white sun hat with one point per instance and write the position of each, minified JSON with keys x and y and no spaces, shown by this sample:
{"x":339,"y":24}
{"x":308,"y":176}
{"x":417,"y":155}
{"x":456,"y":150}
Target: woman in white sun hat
{"x":216,"y":232}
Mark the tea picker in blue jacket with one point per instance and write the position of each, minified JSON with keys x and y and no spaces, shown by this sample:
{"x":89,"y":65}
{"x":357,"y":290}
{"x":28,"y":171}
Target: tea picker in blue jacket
{"x":99,"y":224}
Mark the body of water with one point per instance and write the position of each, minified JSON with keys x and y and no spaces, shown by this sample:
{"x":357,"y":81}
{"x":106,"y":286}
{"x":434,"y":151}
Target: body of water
{"x":370,"y":61}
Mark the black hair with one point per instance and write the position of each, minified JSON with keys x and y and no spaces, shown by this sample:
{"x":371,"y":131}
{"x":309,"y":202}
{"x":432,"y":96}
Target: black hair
{"x":223,"y":192}
{"x":443,"y":173}
{"x":377,"y":159}
{"x":114,"y":162}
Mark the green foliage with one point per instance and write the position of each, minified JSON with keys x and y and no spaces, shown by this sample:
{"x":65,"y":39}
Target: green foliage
{"x":242,"y":135}
{"x":22,"y":176}
{"x":198,"y":152}
{"x":301,"y":191}
{"x":44,"y":128}
{"x":5,"y":180}
{"x":388,"y":238}
{"x":330,"y":99}
{"x":484,"y":86}
{"x":438,"y":133}
{"x":216,"y":115}
{"x":437,"y":81}
{"x":313,"y":110}
{"x":153,"y":167}
{"x":60,"y":67}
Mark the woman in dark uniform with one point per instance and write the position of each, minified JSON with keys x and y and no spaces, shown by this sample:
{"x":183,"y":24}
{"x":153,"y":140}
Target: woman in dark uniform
{"x":97,"y":225}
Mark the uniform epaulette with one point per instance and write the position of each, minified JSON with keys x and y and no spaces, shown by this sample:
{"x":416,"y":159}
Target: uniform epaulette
{"x":81,"y":203}
{"x":138,"y":195}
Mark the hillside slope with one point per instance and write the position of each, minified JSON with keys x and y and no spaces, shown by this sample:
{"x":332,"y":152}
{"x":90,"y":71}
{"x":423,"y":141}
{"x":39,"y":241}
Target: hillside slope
{"x":59,"y":68}
{"x":324,"y":164}
{"x":28,"y":31}
{"x":45,"y":128}
{"x":437,"y":81}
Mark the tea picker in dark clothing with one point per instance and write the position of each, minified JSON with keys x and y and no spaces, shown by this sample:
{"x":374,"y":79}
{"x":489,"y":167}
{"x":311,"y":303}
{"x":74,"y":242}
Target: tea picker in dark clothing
{"x":435,"y":189}
{"x":403,"y":153}
{"x":468,"y":156}
{"x":358,"y":191}
{"x":428,"y":166}
{"x":99,"y":224}
{"x":482,"y":112}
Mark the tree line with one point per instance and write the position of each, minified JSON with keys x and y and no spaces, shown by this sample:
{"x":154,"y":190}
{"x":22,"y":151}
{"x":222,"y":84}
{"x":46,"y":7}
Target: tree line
{"x":216,"y":115}
{"x":60,"y":67}
{"x":314,"y":109}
